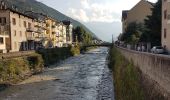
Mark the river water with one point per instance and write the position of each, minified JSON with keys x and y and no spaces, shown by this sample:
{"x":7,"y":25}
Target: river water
{"x":84,"y":77}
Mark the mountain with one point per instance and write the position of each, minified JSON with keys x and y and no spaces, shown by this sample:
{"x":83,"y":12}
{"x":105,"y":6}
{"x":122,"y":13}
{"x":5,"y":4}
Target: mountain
{"x":33,"y":5}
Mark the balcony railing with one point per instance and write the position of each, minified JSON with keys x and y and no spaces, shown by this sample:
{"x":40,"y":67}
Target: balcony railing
{"x":30,"y":29}
{"x":4,"y":30}
{"x":53,"y":26}
{"x":30,"y":36}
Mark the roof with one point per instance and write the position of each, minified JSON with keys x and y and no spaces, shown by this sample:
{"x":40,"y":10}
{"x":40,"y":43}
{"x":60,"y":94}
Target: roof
{"x":66,"y":22}
{"x":13,"y":8}
{"x":151,"y":3}
{"x":124,"y":14}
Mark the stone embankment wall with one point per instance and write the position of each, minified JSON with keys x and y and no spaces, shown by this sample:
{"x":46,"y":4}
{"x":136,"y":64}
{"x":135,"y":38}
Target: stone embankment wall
{"x":156,"y":67}
{"x":15,"y":54}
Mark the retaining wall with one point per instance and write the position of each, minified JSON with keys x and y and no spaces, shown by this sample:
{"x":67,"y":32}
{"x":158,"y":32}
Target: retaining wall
{"x":156,"y":66}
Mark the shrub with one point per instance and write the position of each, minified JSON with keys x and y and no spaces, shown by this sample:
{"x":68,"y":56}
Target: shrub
{"x":126,"y":77}
{"x":14,"y":70}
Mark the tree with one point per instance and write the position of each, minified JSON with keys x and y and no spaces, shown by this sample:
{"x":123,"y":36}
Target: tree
{"x":153,"y":24}
{"x":82,"y":35}
{"x":133,"y":33}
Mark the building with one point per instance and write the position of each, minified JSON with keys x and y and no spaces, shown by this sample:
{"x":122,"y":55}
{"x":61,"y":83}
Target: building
{"x":39,"y":28}
{"x":69,"y":32}
{"x":61,"y":35}
{"x":137,"y":14}
{"x":18,"y":27}
{"x":28,"y":30}
{"x":166,"y":24}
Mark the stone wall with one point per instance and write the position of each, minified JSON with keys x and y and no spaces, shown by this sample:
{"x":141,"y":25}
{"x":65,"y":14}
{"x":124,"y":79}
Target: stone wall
{"x":15,"y":54}
{"x":156,"y":67}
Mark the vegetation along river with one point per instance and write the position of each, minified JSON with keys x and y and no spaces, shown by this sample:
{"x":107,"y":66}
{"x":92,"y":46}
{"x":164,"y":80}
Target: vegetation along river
{"x":84,"y":77}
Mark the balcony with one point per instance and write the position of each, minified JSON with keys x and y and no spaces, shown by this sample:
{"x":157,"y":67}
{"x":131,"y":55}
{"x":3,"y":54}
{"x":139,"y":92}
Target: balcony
{"x":30,"y":29}
{"x":53,"y":26}
{"x":53,"y":32}
{"x":39,"y":31}
{"x":30,"y":36}
{"x":4,"y":30}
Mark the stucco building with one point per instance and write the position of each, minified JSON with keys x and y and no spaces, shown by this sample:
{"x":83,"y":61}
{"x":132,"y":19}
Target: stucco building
{"x":28,"y":30}
{"x":166,"y":24}
{"x":137,"y":14}
{"x":19,"y":29}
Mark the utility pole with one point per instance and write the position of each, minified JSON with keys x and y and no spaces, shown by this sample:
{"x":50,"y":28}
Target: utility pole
{"x":112,"y":38}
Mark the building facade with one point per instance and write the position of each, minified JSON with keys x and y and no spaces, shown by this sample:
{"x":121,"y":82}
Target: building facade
{"x":19,"y":29}
{"x":69,"y":31}
{"x":27,"y":30}
{"x":137,"y":14}
{"x":166,"y":24}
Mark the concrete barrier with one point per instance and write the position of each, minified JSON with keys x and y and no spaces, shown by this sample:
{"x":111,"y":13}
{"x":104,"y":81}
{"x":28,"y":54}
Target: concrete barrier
{"x":156,"y":66}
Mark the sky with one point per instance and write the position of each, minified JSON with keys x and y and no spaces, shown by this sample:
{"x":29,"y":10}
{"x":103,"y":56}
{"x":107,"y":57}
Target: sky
{"x":102,"y":17}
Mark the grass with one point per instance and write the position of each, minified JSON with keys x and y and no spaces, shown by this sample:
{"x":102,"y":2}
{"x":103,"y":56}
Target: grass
{"x":16,"y":69}
{"x":126,"y":77}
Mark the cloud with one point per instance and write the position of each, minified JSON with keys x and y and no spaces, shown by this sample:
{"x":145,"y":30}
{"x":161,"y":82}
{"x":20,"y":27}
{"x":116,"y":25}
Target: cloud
{"x":103,"y":11}
{"x":79,"y":14}
{"x":94,"y":12}
{"x":85,"y":4}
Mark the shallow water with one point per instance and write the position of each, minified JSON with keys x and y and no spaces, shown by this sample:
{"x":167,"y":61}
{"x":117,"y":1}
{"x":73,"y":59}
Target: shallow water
{"x":84,"y":77}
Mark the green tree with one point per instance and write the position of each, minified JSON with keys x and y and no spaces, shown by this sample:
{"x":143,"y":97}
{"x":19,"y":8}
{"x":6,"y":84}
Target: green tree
{"x":152,"y":32}
{"x":133,"y":33}
{"x":82,"y":35}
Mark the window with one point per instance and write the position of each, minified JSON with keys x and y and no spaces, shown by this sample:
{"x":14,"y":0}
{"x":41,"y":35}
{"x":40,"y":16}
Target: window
{"x":29,"y":25}
{"x":13,"y":21}
{"x":1,"y":40}
{"x":25,"y":24}
{"x":0,"y":20}
{"x":3,"y":20}
{"x":15,"y":33}
{"x":20,"y":33}
{"x":165,"y":33}
{"x":165,"y":14}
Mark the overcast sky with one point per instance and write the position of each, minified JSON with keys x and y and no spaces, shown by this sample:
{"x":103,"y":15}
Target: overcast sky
{"x":103,"y":17}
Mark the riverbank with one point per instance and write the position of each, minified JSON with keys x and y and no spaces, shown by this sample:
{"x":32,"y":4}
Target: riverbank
{"x":15,"y":70}
{"x":82,"y":77}
{"x":126,"y":78}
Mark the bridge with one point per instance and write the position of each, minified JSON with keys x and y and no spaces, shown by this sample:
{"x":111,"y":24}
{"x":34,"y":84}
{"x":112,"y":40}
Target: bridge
{"x":99,"y":45}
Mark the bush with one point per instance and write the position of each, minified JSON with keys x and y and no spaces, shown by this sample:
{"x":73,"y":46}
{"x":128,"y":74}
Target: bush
{"x":14,"y":70}
{"x":75,"y":50}
{"x":55,"y":55}
{"x":126,"y":78}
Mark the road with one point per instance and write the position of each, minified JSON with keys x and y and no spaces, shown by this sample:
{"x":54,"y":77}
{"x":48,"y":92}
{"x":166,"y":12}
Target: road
{"x":84,"y":77}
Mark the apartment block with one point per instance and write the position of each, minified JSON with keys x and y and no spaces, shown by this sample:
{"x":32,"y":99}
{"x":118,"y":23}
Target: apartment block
{"x":28,"y":30}
{"x":18,"y":28}
{"x":69,"y":31}
{"x":137,"y":14}
{"x":166,"y":24}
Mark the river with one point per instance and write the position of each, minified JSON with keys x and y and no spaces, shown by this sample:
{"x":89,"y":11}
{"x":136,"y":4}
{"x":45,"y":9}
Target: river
{"x":84,"y":77}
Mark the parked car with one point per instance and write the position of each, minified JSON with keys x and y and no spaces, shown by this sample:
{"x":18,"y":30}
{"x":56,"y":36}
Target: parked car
{"x":157,"y":50}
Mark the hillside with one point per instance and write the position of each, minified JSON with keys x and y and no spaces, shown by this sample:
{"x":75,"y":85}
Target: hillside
{"x":39,"y":7}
